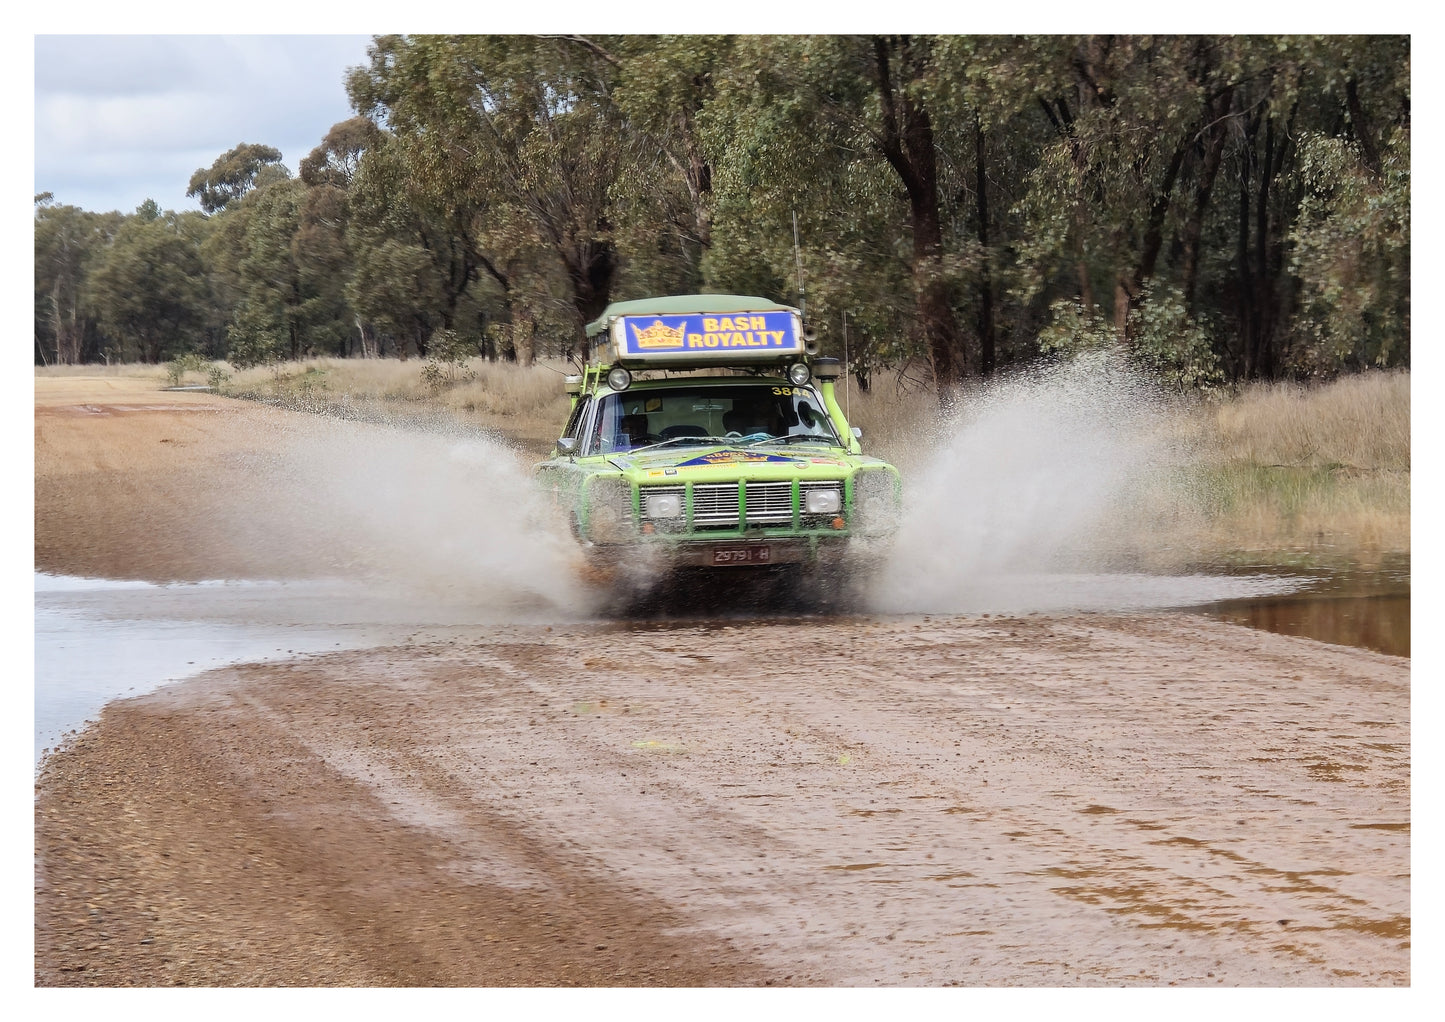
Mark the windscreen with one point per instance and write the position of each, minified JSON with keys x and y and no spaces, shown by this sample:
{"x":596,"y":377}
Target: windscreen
{"x":759,"y":413}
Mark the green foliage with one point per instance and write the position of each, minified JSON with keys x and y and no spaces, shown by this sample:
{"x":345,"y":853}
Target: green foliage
{"x":67,"y":241}
{"x":178,"y":367}
{"x":253,"y":338}
{"x":1233,"y":206}
{"x":1351,"y":253}
{"x":1164,"y":341}
{"x":234,"y":174}
{"x":447,"y":357}
{"x":150,"y":285}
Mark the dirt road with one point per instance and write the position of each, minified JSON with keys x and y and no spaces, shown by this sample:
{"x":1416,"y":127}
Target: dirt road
{"x":901,"y":801}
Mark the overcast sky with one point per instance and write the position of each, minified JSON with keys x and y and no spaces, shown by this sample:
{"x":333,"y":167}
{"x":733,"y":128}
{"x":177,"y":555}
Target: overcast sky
{"x":124,"y":118}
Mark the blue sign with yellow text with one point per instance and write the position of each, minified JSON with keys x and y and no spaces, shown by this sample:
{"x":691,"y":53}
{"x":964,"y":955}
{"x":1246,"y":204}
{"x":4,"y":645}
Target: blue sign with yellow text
{"x":714,"y":334}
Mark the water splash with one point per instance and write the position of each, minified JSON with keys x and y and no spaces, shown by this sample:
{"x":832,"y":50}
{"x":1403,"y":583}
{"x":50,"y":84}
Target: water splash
{"x":445,"y":516}
{"x":1029,"y":495}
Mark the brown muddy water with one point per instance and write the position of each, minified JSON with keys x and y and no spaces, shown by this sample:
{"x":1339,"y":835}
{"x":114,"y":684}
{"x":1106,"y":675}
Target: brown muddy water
{"x":97,"y":639}
{"x":1364,"y":607}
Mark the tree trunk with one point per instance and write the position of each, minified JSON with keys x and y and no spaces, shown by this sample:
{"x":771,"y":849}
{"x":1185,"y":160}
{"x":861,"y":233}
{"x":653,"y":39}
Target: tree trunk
{"x":1130,"y":287}
{"x":907,"y":143}
{"x":986,"y":338}
{"x":1363,"y":133}
{"x":1194,"y":225}
{"x":524,"y":332}
{"x":591,"y":270}
{"x":1263,"y":286}
{"x":368,"y":342}
{"x":66,"y":319}
{"x":697,"y":176}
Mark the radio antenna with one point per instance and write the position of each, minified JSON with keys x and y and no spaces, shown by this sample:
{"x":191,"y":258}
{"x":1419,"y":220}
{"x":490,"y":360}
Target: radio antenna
{"x":798,"y":258}
{"x":846,"y":388}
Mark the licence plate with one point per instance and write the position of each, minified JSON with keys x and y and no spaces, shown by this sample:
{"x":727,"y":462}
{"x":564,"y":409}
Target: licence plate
{"x":759,"y":553}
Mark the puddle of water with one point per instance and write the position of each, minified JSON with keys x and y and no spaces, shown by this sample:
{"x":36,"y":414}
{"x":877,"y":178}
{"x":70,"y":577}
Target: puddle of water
{"x":1381,"y":623}
{"x":82,"y":663}
{"x":1357,"y":607}
{"x":103,"y":639}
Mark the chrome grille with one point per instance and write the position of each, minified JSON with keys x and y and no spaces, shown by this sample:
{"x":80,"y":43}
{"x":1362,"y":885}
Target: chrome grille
{"x":770,"y":503}
{"x":714,"y":505}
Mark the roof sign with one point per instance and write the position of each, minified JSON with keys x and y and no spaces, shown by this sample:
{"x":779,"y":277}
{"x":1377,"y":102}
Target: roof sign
{"x":712,"y":339}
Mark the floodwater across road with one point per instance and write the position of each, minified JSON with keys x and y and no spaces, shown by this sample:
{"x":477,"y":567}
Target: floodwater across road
{"x":102,"y":639}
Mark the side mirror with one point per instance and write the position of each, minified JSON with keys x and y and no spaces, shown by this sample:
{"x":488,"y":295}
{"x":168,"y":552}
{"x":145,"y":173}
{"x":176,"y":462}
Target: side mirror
{"x":567,"y":445}
{"x":857,"y":433}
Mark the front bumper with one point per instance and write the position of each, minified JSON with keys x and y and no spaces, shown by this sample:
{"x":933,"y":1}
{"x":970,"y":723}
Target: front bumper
{"x":730,"y":553}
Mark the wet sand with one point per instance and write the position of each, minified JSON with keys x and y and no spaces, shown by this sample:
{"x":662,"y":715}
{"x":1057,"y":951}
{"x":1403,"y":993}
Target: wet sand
{"x":1091,"y":800}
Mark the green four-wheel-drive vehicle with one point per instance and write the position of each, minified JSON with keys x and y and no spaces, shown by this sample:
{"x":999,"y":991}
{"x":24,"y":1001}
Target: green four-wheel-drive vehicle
{"x":705,"y":433}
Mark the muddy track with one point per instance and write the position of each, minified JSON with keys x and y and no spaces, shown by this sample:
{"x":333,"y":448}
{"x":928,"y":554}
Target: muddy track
{"x":902,"y":801}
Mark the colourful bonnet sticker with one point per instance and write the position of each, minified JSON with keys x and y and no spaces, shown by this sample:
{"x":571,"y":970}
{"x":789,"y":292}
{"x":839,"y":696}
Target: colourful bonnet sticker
{"x":737,"y":458}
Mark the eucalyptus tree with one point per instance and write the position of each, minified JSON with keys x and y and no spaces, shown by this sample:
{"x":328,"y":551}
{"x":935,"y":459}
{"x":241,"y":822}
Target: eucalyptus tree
{"x":415,"y":254}
{"x":662,"y":198}
{"x":1238,"y":183}
{"x":325,"y":241}
{"x":233,"y":174}
{"x":280,"y":275}
{"x":513,"y":138}
{"x":1350,"y":244}
{"x":1138,"y":122}
{"x":149,"y":286}
{"x":841,"y":130}
{"x":248,"y":255}
{"x":67,"y":240}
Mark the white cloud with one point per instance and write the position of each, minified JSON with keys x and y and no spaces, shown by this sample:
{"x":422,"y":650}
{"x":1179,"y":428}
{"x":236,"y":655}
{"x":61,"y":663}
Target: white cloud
{"x":120,"y":119}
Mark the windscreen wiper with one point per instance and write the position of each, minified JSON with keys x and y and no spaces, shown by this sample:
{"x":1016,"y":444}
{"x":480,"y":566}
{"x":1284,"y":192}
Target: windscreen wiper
{"x":791,"y":437}
{"x":681,"y":440}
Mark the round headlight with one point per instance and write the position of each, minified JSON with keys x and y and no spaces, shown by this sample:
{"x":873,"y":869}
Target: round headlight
{"x":619,"y":378}
{"x":799,"y":373}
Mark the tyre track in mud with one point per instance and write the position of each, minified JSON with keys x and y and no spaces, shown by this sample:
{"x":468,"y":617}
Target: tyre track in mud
{"x":1027,"y":801}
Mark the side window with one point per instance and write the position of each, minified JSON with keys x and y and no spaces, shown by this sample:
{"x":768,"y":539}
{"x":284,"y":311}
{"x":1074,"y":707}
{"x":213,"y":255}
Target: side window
{"x":574,"y":422}
{"x":603,"y":429}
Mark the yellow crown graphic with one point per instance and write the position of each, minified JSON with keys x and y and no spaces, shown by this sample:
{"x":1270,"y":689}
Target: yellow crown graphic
{"x":658,"y":335}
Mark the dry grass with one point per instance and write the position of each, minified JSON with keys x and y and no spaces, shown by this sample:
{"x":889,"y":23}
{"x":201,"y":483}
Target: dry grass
{"x":1318,"y":473}
{"x":526,"y":404}
{"x":1360,"y":423}
{"x":119,"y":371}
{"x":898,"y":422}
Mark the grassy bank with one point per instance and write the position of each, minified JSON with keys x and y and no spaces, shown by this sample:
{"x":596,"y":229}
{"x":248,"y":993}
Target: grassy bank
{"x":1277,"y":473}
{"x":1313,"y":474}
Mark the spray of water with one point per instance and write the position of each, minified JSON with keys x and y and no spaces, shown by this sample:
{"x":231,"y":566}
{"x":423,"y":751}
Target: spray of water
{"x":1021,"y":505}
{"x":441,"y":519}
{"x":1019,"y":508}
